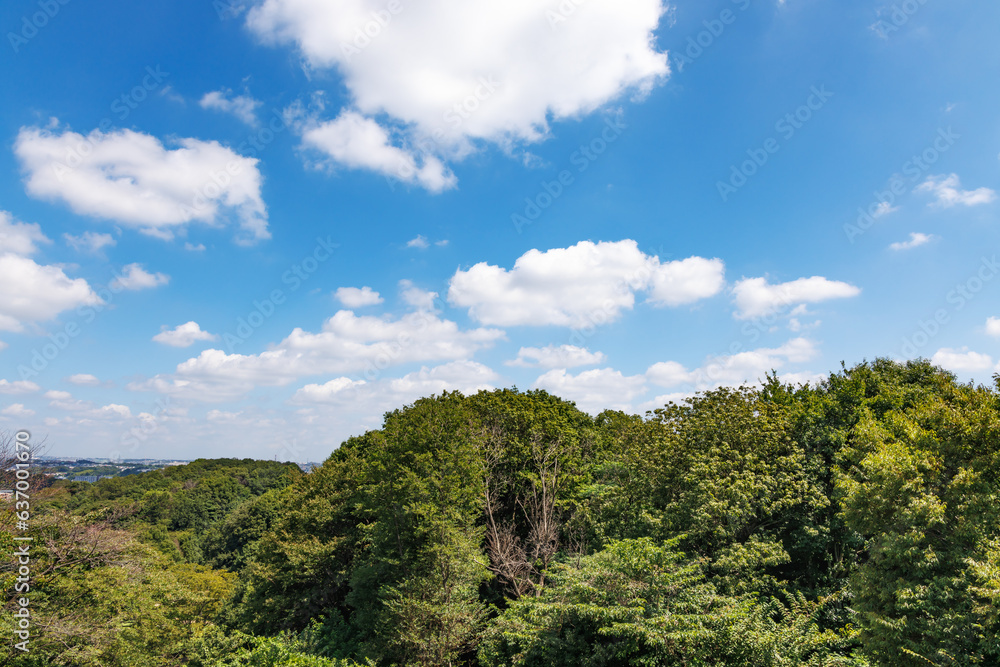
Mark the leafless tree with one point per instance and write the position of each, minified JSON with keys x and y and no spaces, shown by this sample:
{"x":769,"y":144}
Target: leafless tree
{"x":522,"y":562}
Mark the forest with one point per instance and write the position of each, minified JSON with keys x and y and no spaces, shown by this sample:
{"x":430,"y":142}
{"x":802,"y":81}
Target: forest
{"x":850,"y":522}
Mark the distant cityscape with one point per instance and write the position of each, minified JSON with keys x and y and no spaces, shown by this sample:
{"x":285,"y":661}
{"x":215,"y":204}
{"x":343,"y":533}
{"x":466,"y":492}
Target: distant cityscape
{"x":95,"y":469}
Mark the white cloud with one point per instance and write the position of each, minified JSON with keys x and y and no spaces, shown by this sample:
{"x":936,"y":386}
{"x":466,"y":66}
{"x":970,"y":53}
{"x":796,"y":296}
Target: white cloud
{"x":594,"y":390}
{"x":589,"y":283}
{"x":361,"y":143}
{"x":134,"y":277}
{"x":347,"y":344}
{"x":19,"y":238}
{"x":419,"y":242}
{"x":884,"y":209}
{"x":183,"y":335}
{"x":755,"y":297}
{"x":89,"y":241}
{"x":916,"y":239}
{"x":133,"y":179}
{"x":111,"y":411}
{"x":734,"y":370}
{"x":551,"y":356}
{"x":451,"y":74}
{"x":415,"y":297}
{"x":63,"y":400}
{"x":993,"y":326}
{"x":222,"y":415}
{"x":963,"y":360}
{"x":243,"y":107}
{"x":668,"y":374}
{"x":17,"y":410}
{"x":84,"y":380}
{"x":18,"y":387}
{"x":30,"y":292}
{"x":947,"y":191}
{"x":57,"y":395}
{"x":370,"y":399}
{"x":353,"y":297}
{"x":686,"y":281}
{"x":192,"y":247}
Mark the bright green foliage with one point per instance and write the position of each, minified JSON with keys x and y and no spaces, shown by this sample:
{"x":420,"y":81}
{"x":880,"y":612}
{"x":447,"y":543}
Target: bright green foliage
{"x":637,"y":603}
{"x":923,"y":491}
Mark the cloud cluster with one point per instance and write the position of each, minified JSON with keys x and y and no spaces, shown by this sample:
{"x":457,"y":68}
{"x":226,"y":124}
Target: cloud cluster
{"x":948,"y":192}
{"x":348,"y":343}
{"x":589,"y":283}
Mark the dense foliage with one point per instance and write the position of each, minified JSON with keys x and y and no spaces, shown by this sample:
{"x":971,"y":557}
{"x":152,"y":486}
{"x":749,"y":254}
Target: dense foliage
{"x":855,"y":522}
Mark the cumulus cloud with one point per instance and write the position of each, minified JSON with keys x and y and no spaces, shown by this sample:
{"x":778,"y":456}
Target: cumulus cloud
{"x":735,"y":369}
{"x":594,"y":390}
{"x":419,"y":242}
{"x":19,"y":238}
{"x":84,"y":380}
{"x":669,"y":374}
{"x":133,"y":179}
{"x":17,"y":410}
{"x":551,"y":356}
{"x":30,"y":292}
{"x":448,"y":74}
{"x":347,"y":344}
{"x":91,"y":242}
{"x":465,"y":376}
{"x":948,"y":192}
{"x":18,"y":387}
{"x":183,"y":335}
{"x":242,"y":107}
{"x":993,"y":326}
{"x":353,"y":297}
{"x":755,"y":297}
{"x":111,"y":411}
{"x":962,"y":361}
{"x":416,"y":297}
{"x":589,"y":283}
{"x":357,"y":142}
{"x":916,"y":239}
{"x":134,"y":277}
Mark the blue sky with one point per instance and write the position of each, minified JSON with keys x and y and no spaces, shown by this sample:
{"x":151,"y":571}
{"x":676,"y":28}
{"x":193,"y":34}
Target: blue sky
{"x":251,"y":228}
